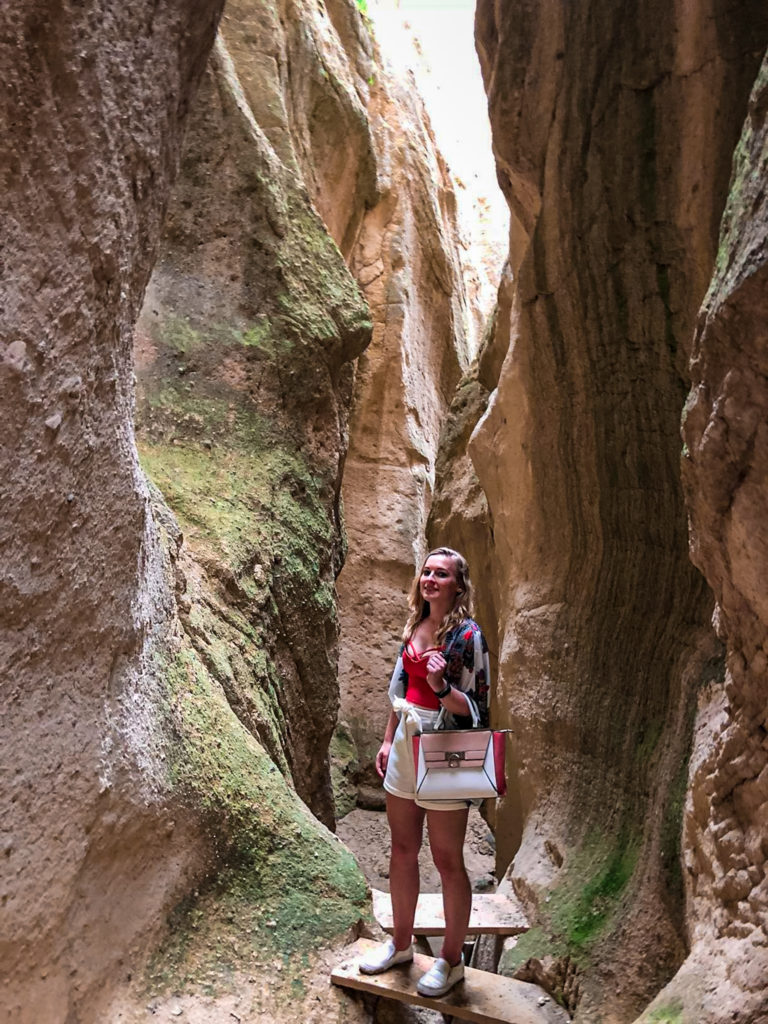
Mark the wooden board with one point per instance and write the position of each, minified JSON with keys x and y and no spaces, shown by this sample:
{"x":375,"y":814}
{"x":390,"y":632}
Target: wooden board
{"x":492,"y":914}
{"x":481,"y":997}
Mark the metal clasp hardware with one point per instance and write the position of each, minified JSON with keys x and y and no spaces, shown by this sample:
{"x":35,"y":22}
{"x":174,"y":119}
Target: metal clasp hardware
{"x":454,"y":759}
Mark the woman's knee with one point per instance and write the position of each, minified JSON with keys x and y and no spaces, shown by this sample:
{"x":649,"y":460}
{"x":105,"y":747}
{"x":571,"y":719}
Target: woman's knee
{"x":446,"y":839}
{"x":449,"y":862}
{"x":406,"y":847}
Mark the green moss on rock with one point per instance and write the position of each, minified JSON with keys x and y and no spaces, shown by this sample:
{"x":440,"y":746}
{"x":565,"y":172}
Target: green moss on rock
{"x":236,"y":486}
{"x":648,"y":741}
{"x":739,"y":247}
{"x":258,"y":516}
{"x":672,"y":1013}
{"x":344,"y":765}
{"x":284,"y":885}
{"x":583,"y":907}
{"x":178,"y":333}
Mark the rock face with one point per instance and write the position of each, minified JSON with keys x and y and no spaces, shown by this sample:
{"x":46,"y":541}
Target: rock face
{"x":169,"y":685}
{"x":91,"y":116}
{"x":460,"y":513}
{"x":168,"y":675}
{"x":615,"y":161}
{"x":725,"y":469}
{"x":407,"y":261}
{"x":244,"y":349}
{"x":244,"y":357}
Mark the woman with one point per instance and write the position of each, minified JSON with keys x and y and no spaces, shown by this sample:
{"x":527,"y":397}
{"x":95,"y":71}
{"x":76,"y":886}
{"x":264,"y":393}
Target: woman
{"x":443,"y":666}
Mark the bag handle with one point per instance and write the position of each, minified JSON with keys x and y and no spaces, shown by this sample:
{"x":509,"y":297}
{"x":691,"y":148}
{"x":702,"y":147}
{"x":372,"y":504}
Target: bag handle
{"x":440,"y":722}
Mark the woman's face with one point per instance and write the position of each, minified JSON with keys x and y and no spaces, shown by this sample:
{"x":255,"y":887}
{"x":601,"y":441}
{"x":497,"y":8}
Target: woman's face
{"x":438,"y":583}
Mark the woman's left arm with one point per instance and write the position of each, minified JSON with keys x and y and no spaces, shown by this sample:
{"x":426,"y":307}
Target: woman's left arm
{"x":467,"y":672}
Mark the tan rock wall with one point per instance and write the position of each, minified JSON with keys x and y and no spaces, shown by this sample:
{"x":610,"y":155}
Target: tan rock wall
{"x":615,"y":159}
{"x":726,"y":480}
{"x":305,"y":73}
{"x":91,"y":114}
{"x":164,"y":683}
{"x":407,"y":261}
{"x":244,"y":349}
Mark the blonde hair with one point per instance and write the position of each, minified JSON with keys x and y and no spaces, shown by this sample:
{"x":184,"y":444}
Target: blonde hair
{"x":463,"y":606}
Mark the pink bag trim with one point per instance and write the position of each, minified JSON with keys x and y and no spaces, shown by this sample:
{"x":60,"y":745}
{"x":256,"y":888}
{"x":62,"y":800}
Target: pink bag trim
{"x":498,"y":761}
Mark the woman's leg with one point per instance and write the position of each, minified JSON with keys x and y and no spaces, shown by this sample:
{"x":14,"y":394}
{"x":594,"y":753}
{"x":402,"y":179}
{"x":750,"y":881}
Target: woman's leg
{"x":446,"y":838}
{"x":406,"y":825}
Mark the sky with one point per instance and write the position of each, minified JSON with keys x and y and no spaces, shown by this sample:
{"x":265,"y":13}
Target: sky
{"x":448,"y":76}
{"x":447,"y":73}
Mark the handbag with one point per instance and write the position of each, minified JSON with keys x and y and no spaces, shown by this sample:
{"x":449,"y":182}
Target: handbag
{"x":460,"y":764}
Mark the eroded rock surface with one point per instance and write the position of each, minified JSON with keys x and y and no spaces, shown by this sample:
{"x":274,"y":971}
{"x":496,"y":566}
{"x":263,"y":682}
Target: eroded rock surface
{"x":615,"y":161}
{"x":168,"y":675}
{"x":169,"y":655}
{"x":244,"y":357}
{"x":725,"y":469}
{"x":407,"y":260}
{"x":91,"y":115}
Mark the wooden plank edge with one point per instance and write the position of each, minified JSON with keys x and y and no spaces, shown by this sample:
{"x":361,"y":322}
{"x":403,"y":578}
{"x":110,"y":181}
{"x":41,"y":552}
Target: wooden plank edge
{"x":384,"y":919}
{"x":463,"y":1002}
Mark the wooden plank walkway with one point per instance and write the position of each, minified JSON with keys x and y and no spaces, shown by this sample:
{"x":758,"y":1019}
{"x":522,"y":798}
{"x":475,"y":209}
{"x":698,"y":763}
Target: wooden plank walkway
{"x":481,"y":997}
{"x":492,"y":914}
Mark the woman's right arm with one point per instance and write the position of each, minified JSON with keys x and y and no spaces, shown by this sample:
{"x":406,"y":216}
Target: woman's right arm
{"x":389,"y":734}
{"x":398,"y":686}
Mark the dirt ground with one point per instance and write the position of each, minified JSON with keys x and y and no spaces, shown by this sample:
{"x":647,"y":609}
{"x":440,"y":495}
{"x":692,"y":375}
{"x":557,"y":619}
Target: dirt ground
{"x":366,"y":833}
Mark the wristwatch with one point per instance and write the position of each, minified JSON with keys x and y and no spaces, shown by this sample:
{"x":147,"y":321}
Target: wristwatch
{"x":440,"y":694}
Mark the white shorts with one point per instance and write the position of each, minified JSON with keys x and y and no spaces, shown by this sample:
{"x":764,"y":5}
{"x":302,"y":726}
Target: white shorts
{"x":400,"y":779}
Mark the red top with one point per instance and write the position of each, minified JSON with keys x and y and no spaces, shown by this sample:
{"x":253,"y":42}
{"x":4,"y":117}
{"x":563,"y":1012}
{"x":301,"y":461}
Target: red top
{"x":419,"y":691}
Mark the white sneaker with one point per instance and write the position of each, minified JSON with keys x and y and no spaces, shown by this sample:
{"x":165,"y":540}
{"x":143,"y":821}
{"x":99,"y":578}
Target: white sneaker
{"x":440,"y":977}
{"x":383,"y":957}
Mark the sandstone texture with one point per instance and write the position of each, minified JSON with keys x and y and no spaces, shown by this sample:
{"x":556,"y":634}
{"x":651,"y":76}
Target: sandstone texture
{"x":244,"y":354}
{"x":244,"y":374}
{"x":91,"y":114}
{"x":407,"y":260}
{"x":613,"y":133}
{"x":725,"y":470}
{"x":180,"y":444}
{"x":168,"y":646}
{"x":460,"y":515}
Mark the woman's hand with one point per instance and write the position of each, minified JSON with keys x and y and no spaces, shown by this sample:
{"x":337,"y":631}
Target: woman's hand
{"x":435,"y":669}
{"x":383,"y":757}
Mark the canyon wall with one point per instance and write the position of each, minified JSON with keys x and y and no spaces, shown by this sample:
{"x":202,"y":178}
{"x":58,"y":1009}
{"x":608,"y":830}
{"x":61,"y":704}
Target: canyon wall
{"x":613,"y":132}
{"x":725,"y":472}
{"x":244,"y":351}
{"x":407,"y":260}
{"x":169,"y":648}
{"x":91,"y":113}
